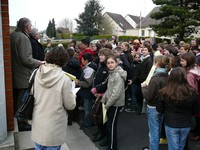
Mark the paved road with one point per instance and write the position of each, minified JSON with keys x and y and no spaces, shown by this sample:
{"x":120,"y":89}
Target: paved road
{"x":133,"y":133}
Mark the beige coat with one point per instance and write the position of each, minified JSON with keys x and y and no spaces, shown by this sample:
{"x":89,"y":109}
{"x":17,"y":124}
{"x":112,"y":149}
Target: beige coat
{"x":53,"y":96}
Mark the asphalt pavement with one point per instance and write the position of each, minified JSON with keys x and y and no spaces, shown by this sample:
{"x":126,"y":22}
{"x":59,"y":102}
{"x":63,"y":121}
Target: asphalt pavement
{"x":133,"y":133}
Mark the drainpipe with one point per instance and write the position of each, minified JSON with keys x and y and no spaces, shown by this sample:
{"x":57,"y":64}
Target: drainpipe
{"x":3,"y":119}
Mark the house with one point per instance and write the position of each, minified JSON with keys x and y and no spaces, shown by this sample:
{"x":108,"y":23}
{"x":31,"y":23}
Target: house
{"x":144,"y":27}
{"x":134,"y":21}
{"x":119,"y":23}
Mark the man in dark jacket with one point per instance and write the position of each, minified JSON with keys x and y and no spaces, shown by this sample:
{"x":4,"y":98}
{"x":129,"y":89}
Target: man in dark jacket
{"x":23,"y":63}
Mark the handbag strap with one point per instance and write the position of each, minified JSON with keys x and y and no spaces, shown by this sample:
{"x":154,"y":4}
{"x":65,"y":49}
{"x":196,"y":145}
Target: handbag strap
{"x":32,"y":78}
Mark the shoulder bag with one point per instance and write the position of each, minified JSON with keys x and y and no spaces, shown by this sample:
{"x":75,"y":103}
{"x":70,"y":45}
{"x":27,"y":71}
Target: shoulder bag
{"x":25,"y":111}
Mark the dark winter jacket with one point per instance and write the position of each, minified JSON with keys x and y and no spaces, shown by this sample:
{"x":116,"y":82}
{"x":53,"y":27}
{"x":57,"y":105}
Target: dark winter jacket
{"x":178,"y":115}
{"x":37,"y":49}
{"x":73,"y":67}
{"x":145,"y":68}
{"x":100,"y":79}
{"x":150,"y":93}
{"x":134,"y":72}
{"x":129,"y":56}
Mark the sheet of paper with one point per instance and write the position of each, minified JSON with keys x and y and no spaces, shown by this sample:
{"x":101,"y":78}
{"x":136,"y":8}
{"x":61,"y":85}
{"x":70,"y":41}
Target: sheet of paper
{"x":153,"y":68}
{"x":72,"y":77}
{"x":74,"y":89}
{"x":105,"y":118}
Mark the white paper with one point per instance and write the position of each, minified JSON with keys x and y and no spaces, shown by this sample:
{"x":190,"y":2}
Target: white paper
{"x":74,"y":89}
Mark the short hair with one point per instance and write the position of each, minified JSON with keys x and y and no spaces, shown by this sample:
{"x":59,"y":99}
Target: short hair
{"x":108,"y":45}
{"x":87,"y":56}
{"x":33,"y":32}
{"x":105,"y":51}
{"x":172,"y":49}
{"x":118,"y":49}
{"x":148,"y":48}
{"x":57,"y":56}
{"x":85,"y":42}
{"x":177,"y":40}
{"x":70,"y":51}
{"x":22,"y":23}
{"x":98,"y":45}
{"x":186,"y":46}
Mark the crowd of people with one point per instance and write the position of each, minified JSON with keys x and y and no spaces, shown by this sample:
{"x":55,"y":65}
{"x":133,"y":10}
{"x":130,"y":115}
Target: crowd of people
{"x":136,"y":76}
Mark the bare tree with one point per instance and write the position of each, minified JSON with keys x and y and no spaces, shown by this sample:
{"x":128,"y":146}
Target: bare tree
{"x":67,"y":24}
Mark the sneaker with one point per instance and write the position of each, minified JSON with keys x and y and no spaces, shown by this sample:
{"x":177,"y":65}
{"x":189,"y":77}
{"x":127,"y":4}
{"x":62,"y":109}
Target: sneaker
{"x":129,"y":110}
{"x":80,"y":108}
{"x":121,"y":109}
{"x":163,"y":141}
{"x":145,"y":148}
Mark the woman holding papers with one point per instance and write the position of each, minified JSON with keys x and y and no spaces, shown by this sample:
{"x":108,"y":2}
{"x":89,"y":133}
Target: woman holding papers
{"x":159,"y":79}
{"x":53,"y":96}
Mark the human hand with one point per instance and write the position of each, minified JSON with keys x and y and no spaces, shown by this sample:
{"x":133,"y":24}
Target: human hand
{"x":130,"y":82}
{"x":94,"y":90}
{"x":41,"y":62}
{"x":144,"y":84}
{"x":76,"y":82}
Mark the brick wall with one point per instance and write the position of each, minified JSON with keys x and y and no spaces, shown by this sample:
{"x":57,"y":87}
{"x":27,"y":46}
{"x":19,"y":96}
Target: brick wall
{"x":7,"y":64}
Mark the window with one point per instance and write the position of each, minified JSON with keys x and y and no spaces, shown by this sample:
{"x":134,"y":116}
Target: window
{"x":143,"y":33}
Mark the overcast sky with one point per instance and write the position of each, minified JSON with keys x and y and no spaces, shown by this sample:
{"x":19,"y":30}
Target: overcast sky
{"x":41,"y":11}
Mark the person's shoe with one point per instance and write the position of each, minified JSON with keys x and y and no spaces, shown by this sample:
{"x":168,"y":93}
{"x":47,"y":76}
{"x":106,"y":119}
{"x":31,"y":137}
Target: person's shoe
{"x":163,"y":141}
{"x":145,"y":148}
{"x":80,"y":108}
{"x":121,"y":110}
{"x":26,"y":127}
{"x":129,"y":110}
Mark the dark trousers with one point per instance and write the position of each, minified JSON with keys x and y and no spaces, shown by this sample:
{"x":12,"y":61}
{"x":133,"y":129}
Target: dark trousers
{"x":140,"y":98}
{"x":113,"y":114}
{"x":17,"y":96}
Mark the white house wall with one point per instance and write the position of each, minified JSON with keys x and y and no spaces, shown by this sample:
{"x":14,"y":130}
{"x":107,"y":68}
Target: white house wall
{"x":132,"y":32}
{"x":117,"y":30}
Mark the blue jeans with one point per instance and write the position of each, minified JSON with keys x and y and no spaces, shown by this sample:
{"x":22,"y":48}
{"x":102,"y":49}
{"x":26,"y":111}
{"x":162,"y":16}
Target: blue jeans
{"x":154,"y":122}
{"x":87,"y":105}
{"x":134,"y":91}
{"x":40,"y":147}
{"x":176,"y":137}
